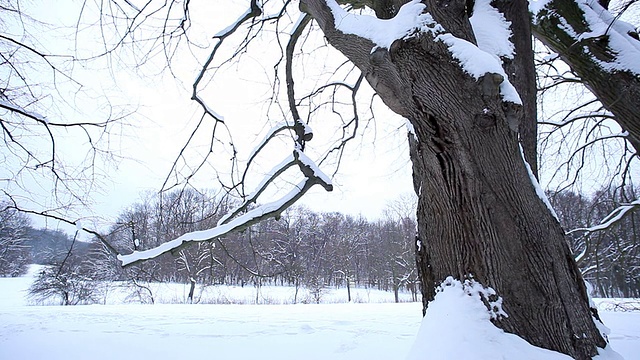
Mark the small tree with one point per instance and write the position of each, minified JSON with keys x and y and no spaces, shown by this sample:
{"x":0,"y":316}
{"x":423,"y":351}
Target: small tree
{"x":69,"y":282}
{"x":66,"y":285}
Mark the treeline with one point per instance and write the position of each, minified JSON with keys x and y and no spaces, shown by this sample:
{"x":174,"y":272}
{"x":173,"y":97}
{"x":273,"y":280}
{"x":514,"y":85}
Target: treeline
{"x":609,"y":258}
{"x":301,"y":249}
{"x":21,"y":244}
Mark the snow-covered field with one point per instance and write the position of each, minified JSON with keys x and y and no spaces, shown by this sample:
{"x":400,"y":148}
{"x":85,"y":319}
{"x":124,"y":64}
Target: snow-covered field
{"x":172,"y":331}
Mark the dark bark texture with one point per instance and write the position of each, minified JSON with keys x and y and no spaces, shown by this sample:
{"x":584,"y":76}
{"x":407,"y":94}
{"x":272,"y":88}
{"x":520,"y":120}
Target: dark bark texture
{"x":478,"y":212}
{"x":618,"y":91}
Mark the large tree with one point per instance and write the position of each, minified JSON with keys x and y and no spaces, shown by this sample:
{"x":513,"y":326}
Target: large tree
{"x":479,"y":212}
{"x":463,"y":75}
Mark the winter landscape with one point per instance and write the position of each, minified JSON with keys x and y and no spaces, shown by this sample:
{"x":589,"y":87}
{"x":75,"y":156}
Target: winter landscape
{"x":303,"y":179}
{"x":372,"y":327}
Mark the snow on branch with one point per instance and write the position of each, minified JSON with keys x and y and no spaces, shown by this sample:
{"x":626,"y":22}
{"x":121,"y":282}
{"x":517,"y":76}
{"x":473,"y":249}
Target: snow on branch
{"x":603,"y":24}
{"x":383,"y":32}
{"x":307,"y":167}
{"x":477,"y":63}
{"x":268,"y":179}
{"x":492,"y":30}
{"x":241,"y":218}
{"x":240,"y":223}
{"x":298,"y":126}
{"x":272,"y":133}
{"x":278,"y":128}
{"x":596,"y":25}
{"x":411,"y":20}
{"x":311,"y":170}
{"x":255,"y":9}
{"x":20,"y":110}
{"x":614,"y":217}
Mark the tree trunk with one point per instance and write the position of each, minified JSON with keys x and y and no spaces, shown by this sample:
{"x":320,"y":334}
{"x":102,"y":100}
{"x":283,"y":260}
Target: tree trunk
{"x":479,"y":215}
{"x":478,"y":211}
{"x":192,"y":289}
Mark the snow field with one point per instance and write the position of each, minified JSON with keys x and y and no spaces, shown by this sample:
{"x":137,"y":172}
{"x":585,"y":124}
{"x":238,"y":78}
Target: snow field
{"x":457,"y":329}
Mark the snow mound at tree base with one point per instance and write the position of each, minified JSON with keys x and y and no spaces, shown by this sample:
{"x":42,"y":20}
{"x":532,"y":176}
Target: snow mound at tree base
{"x":458,"y":326}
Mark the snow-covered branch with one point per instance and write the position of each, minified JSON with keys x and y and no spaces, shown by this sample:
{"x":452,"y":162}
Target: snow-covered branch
{"x":412,"y":20}
{"x":383,"y":32}
{"x":614,"y":217}
{"x":538,"y":188}
{"x":600,"y":48}
{"x":492,"y":30}
{"x":268,"y":179}
{"x":244,"y":221}
{"x":241,"y":218}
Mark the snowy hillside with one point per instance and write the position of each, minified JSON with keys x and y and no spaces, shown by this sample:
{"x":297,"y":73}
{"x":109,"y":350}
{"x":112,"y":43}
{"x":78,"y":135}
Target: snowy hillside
{"x":171,"y":331}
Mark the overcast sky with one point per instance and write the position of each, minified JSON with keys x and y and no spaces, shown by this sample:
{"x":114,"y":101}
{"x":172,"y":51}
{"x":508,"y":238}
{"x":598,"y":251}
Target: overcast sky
{"x":374,"y":172}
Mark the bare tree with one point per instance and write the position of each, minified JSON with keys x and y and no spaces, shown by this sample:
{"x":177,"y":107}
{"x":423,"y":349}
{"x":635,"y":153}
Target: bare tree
{"x":42,"y":106}
{"x":289,"y":247}
{"x":604,"y":238}
{"x":398,"y":232}
{"x":68,"y":281}
{"x":14,"y":250}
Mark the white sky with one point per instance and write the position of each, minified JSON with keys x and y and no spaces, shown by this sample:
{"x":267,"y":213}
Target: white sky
{"x":375,"y":172}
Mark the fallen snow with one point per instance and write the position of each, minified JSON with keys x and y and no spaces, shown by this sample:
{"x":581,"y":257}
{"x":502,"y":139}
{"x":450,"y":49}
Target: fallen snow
{"x":456,"y":327}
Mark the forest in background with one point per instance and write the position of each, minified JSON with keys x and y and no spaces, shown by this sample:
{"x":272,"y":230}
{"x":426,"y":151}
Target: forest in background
{"x":302,"y":249}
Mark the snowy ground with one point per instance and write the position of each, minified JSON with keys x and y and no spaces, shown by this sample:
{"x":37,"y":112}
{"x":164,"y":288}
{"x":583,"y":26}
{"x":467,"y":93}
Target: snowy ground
{"x":172,"y":331}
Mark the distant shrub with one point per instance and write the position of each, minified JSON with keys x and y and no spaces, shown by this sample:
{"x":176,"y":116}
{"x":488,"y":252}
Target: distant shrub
{"x":65,"y":287}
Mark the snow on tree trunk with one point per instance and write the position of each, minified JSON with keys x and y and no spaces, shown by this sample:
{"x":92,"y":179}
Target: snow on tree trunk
{"x":479,"y":213}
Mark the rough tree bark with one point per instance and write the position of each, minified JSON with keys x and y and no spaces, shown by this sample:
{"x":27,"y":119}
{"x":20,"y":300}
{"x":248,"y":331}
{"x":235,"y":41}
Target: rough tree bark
{"x":478,"y":211}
